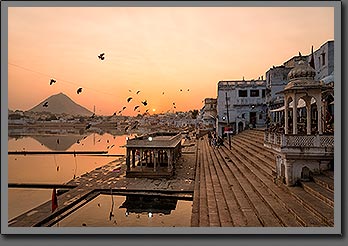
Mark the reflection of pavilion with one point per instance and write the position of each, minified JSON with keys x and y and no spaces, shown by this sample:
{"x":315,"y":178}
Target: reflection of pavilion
{"x":149,"y":204}
{"x":304,"y":142}
{"x":153,"y":155}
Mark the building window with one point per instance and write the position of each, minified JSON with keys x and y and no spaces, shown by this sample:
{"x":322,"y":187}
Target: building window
{"x":254,"y":93}
{"x":242,"y":93}
{"x":323,"y":59}
{"x":263,"y":93}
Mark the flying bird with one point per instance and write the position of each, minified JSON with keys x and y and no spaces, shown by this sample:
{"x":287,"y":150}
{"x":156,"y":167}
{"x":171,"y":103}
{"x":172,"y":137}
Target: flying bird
{"x":88,"y":126}
{"x":129,"y":99}
{"x":144,"y":102}
{"x":79,"y":90}
{"x":52,"y":81}
{"x":163,"y":93}
{"x":180,"y":89}
{"x":173,"y":103}
{"x":138,"y":92}
{"x":45,"y":104}
{"x":124,"y":108}
{"x":135,"y":108}
{"x":146,"y":111}
{"x":101,"y":56}
{"x":130,"y":90}
{"x":119,"y":111}
{"x":188,"y":89}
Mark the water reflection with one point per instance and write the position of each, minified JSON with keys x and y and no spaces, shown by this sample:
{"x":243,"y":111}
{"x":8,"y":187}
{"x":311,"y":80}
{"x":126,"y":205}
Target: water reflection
{"x":96,"y":213}
{"x":54,"y":168}
{"x":149,"y":204}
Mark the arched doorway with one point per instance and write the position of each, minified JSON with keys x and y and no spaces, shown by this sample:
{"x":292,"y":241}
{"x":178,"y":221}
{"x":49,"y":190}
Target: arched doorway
{"x":305,"y":174}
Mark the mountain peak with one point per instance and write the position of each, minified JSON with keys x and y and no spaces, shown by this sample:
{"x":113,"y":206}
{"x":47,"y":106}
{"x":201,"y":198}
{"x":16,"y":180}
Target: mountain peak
{"x":59,"y":104}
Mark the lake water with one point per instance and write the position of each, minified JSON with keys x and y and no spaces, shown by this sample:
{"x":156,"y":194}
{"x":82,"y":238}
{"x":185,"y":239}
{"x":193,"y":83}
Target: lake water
{"x":59,"y":169}
{"x":53,"y":168}
{"x":147,"y":212}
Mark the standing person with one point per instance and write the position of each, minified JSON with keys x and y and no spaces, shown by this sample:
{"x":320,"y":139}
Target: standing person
{"x":209,"y":137}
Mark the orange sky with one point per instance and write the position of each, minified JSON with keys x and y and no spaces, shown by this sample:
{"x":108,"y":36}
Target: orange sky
{"x":151,"y":49}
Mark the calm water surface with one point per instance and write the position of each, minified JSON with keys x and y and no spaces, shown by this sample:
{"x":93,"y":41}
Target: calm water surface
{"x":96,"y":213}
{"x":54,"y":168}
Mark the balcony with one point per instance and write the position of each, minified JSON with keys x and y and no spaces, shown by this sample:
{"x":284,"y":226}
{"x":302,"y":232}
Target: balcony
{"x":279,"y":141}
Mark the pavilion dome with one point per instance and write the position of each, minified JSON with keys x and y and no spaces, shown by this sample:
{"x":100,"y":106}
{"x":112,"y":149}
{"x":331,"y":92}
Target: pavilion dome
{"x":302,"y":70}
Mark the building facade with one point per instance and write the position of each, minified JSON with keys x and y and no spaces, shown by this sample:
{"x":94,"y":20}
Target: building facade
{"x":209,"y":113}
{"x":240,"y":105}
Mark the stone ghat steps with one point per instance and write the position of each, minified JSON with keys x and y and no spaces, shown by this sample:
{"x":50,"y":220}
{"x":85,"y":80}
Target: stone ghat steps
{"x":319,"y":192}
{"x":289,"y":203}
{"x":317,"y":207}
{"x":232,"y":190}
{"x":324,"y":181}
{"x":258,"y":153}
{"x":260,"y":149}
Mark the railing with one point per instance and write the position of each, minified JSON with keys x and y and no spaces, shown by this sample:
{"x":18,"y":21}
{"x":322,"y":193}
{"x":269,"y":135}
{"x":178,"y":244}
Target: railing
{"x":282,"y":140}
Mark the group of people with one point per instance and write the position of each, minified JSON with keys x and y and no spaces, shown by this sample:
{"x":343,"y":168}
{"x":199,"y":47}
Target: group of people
{"x":214,"y":140}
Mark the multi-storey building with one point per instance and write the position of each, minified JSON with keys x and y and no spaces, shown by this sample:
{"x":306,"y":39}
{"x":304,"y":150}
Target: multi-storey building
{"x":240,"y":104}
{"x":209,"y":113}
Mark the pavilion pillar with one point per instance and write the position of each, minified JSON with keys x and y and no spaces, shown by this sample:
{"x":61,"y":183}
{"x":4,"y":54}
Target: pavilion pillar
{"x":309,"y":117}
{"x":294,"y":115}
{"x":128,"y":159}
{"x":155,"y":154}
{"x":320,"y":129}
{"x":141,"y":158}
{"x":133,"y":158}
{"x":286,"y":116}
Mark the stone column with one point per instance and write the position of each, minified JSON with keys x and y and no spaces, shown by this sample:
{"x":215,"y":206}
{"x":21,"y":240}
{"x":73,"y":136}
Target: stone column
{"x":309,"y":117}
{"x":133,"y":158}
{"x":286,"y":107}
{"x":294,"y":115}
{"x":141,"y":158}
{"x":288,"y":173}
{"x":320,"y":129}
{"x":128,"y":159}
{"x":155,"y":155}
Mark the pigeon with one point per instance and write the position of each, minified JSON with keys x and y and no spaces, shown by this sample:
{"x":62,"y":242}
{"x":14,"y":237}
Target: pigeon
{"x":114,"y":114}
{"x":45,"y":104}
{"x":135,"y":108}
{"x":79,"y":90}
{"x":129,"y":99}
{"x":88,"y":126}
{"x":101,"y":56}
{"x":144,"y":102}
{"x":52,"y":81}
{"x":138,"y":92}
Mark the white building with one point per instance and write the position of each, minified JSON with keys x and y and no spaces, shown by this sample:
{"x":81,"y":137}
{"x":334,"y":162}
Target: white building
{"x":240,"y":104}
{"x":209,"y":113}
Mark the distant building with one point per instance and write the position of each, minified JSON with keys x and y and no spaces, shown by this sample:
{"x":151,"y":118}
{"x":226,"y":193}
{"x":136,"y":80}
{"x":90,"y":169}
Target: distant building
{"x":209,"y":113}
{"x":240,"y":104}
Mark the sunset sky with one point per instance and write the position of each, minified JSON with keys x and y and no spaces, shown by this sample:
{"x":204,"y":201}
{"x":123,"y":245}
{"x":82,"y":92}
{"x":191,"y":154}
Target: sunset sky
{"x":151,"y":49}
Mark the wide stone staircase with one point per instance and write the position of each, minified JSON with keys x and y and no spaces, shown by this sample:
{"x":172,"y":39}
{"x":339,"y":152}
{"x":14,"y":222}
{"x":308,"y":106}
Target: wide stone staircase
{"x":235,"y":187}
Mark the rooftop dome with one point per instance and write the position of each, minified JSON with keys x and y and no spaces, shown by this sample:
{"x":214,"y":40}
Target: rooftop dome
{"x":301,"y":70}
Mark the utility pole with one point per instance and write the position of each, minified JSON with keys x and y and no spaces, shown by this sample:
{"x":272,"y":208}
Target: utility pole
{"x":228,"y":122}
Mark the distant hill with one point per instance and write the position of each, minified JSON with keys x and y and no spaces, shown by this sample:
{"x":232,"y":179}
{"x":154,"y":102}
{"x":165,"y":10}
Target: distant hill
{"x":61,"y":103}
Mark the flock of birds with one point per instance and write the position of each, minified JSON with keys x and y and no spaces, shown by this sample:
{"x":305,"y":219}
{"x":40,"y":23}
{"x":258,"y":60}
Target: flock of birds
{"x":136,"y":108}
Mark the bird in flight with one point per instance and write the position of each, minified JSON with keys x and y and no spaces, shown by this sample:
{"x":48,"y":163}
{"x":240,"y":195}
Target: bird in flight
{"x":52,"y":81}
{"x":124,"y":108}
{"x":146,"y":111}
{"x":45,"y":104}
{"x":79,"y":90}
{"x":188,"y":89}
{"x":144,"y":102}
{"x":129,"y":99}
{"x":101,"y":56}
{"x":135,"y":108}
{"x":180,"y":89}
{"x":163,"y":93}
{"x":138,"y":92}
